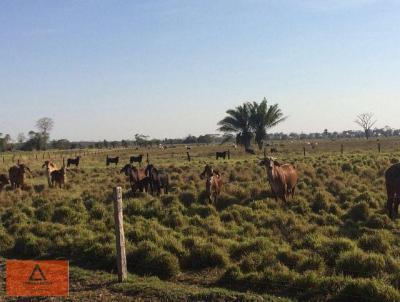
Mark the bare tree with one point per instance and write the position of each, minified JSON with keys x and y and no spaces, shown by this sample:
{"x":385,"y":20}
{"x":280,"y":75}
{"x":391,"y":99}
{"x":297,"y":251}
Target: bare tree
{"x":366,"y":121}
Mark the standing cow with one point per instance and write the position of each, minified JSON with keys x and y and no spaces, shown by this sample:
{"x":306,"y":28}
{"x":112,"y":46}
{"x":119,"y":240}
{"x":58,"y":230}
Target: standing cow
{"x":3,"y":181}
{"x":73,"y":161}
{"x":392,"y":178}
{"x":17,"y":175}
{"x":282,"y":178}
{"x":50,"y":167}
{"x":158,"y":179}
{"x":137,"y":178}
{"x":213,"y":182}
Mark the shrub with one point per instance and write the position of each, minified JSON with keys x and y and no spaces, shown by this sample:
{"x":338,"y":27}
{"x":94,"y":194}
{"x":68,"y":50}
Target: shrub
{"x":6,"y":241}
{"x":67,"y":215}
{"x":204,"y":256}
{"x":359,"y":212}
{"x":320,"y":202}
{"x":251,"y":246}
{"x":346,"y":167}
{"x":374,"y":243}
{"x":367,"y":290}
{"x":331,"y":249}
{"x":359,"y":264}
{"x":45,"y":212}
{"x":187,"y":198}
{"x":147,"y":258}
{"x":378,"y":221}
{"x":97,"y":212}
{"x":289,"y":258}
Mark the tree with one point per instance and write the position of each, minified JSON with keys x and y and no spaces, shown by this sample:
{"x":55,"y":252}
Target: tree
{"x":141,"y":139}
{"x":263,"y":118}
{"x":44,"y":125}
{"x":237,"y":121}
{"x":21,"y":138}
{"x":365,"y":120}
{"x":5,"y":142}
{"x":251,"y":120}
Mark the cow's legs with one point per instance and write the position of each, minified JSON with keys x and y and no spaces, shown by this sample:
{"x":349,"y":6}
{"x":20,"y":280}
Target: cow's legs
{"x":396,"y":206}
{"x":389,"y":206}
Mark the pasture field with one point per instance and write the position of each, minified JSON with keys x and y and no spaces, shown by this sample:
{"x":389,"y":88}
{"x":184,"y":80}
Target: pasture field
{"x":332,"y":242}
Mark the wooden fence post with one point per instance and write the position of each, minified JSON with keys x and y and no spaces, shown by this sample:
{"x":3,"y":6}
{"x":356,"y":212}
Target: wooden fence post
{"x":120,"y":235}
{"x":188,"y":155}
{"x":379,"y":147}
{"x":229,"y":154}
{"x":147,"y":157}
{"x":304,"y":151}
{"x":341,"y":148}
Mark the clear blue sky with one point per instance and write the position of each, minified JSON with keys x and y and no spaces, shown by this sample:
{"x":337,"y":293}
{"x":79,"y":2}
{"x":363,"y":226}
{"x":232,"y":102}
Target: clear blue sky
{"x":110,"y":69}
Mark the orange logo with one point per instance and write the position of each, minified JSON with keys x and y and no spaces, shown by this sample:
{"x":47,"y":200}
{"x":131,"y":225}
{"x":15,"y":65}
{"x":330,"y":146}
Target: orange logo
{"x":37,"y":278}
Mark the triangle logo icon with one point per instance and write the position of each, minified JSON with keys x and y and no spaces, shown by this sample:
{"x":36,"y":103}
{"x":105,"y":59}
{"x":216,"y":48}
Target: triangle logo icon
{"x":37,"y":275}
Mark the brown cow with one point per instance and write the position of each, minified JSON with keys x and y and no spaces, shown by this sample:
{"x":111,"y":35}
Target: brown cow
{"x":17,"y":175}
{"x":3,"y":181}
{"x":137,"y":178}
{"x":50,"y":167}
{"x":213,"y":182}
{"x":282,"y":178}
{"x":392,"y":178}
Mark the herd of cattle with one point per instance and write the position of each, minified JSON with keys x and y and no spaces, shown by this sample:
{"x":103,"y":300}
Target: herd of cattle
{"x":282,"y":178}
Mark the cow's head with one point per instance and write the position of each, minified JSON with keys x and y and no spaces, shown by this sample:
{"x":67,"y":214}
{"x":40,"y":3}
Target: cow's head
{"x":127,"y":169}
{"x":48,"y":165}
{"x":23,"y":168}
{"x":4,"y":180}
{"x":151,"y":170}
{"x":208,"y":172}
{"x":269,"y":162}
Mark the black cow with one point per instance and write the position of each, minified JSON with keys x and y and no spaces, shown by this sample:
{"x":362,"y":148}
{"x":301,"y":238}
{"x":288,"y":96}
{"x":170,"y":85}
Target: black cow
{"x":112,"y":160}
{"x":73,"y":161}
{"x":221,"y":154}
{"x":157,"y":179}
{"x":136,"y":159}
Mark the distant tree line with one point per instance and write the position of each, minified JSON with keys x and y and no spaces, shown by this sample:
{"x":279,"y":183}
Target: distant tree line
{"x":244,"y":125}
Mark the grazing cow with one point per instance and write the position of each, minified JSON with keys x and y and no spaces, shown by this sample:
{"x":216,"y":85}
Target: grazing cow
{"x":59,"y":177}
{"x":112,"y":160}
{"x":17,"y":175}
{"x":234,"y":146}
{"x":213,"y":182}
{"x":250,"y":151}
{"x":3,"y":181}
{"x":136,"y":159}
{"x":73,"y":161}
{"x":282,"y":178}
{"x":274,"y":150}
{"x":157,"y":179}
{"x":221,"y":154}
{"x":137,"y":178}
{"x":50,"y":167}
{"x":392,"y":178}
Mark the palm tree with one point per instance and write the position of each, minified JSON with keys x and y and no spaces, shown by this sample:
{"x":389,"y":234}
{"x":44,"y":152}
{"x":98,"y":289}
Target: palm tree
{"x":237,"y":121}
{"x":263,"y":118}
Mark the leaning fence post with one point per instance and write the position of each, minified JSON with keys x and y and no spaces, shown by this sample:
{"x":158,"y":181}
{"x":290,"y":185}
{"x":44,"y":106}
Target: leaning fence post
{"x":119,"y":234}
{"x":188,"y":155}
{"x":379,"y":147}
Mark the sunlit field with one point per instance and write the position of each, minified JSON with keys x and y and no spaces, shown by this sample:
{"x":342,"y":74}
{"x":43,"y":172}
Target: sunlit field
{"x":332,"y":242}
